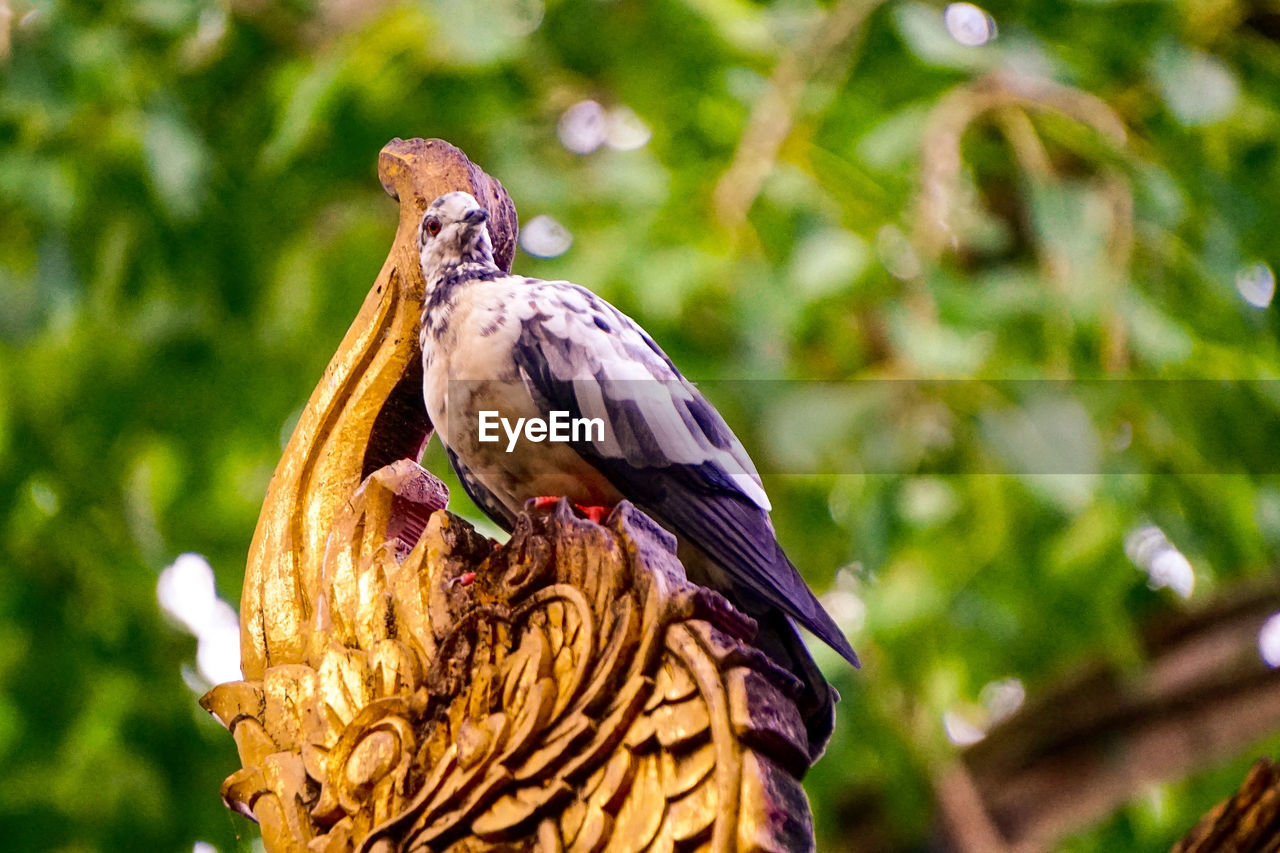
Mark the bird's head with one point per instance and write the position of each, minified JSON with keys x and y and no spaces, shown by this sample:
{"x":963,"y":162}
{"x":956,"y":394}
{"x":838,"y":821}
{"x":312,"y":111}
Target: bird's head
{"x":453,"y":231}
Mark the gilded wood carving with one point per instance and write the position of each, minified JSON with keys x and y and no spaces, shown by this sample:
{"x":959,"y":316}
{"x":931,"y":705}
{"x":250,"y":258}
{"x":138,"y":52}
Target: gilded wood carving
{"x":412,"y":685}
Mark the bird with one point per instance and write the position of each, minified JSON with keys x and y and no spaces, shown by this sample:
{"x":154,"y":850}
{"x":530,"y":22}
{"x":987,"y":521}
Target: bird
{"x":524,"y":347}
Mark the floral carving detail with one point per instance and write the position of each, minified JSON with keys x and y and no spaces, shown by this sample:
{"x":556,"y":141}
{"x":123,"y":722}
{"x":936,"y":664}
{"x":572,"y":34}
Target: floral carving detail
{"x":576,"y":694}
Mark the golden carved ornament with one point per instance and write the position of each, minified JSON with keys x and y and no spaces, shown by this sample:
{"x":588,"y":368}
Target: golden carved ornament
{"x":412,"y":685}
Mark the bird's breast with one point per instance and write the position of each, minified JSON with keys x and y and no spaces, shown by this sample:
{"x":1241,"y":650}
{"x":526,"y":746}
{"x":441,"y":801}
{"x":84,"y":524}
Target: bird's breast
{"x":470,"y":356}
{"x":469,"y":372}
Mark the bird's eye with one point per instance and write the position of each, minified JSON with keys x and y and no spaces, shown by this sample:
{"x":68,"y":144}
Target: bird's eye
{"x":432,"y":225}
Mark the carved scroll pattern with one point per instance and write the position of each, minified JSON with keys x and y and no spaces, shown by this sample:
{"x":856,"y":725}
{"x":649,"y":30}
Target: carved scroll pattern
{"x":577,"y":694}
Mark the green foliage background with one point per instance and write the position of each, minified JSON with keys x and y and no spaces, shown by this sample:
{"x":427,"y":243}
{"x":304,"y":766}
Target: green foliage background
{"x":189,"y":218}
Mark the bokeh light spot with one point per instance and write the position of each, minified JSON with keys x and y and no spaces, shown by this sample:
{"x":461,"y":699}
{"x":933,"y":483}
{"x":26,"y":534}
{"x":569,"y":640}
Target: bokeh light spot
{"x":1003,"y":698}
{"x":897,"y":254}
{"x":626,"y":131}
{"x":843,"y":602}
{"x":1200,"y":89}
{"x":45,"y":498}
{"x":583,"y":127}
{"x":968,"y":24}
{"x":1150,"y":550}
{"x":1257,"y":284}
{"x":544,"y":237}
{"x":960,"y":731}
{"x":1269,"y":641}
{"x":187,"y":592}
{"x":587,"y":125}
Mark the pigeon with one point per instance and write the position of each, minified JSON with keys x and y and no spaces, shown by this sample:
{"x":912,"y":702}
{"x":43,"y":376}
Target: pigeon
{"x":502,"y":349}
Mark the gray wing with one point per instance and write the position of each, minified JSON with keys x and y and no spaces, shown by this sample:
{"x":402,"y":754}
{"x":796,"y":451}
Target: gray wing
{"x":664,"y":446}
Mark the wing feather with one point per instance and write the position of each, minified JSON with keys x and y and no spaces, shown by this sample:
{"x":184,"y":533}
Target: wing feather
{"x":665,"y":447}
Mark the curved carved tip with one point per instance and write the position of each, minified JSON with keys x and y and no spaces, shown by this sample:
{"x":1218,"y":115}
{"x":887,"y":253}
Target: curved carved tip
{"x":232,"y":700}
{"x":242,"y":790}
{"x":416,"y":171}
{"x":399,"y":157}
{"x":366,"y":412}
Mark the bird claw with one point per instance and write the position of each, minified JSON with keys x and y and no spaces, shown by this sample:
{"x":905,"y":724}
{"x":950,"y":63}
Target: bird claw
{"x":595,"y":513}
{"x":464,"y":579}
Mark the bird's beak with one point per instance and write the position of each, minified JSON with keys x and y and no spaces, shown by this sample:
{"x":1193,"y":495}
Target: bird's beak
{"x":476,"y":216}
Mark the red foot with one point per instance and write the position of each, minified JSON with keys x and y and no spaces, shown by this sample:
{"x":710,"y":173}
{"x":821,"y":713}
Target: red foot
{"x":464,"y":579}
{"x":595,"y":513}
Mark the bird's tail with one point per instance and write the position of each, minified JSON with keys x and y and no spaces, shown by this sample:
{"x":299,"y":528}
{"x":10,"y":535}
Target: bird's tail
{"x":806,"y":609}
{"x":774,"y":598}
{"x":778,"y":638}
